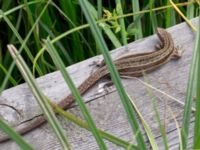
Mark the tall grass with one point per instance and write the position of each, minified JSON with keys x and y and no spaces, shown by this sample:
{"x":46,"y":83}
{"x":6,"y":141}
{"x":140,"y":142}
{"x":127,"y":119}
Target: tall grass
{"x":57,"y":19}
{"x":26,"y":23}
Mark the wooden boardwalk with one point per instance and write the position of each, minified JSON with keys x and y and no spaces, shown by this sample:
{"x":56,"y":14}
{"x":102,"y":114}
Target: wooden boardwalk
{"x":105,"y":107}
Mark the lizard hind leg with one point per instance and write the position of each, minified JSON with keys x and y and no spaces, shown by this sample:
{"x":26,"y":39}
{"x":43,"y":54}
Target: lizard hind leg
{"x":159,"y":46}
{"x":177,"y":53}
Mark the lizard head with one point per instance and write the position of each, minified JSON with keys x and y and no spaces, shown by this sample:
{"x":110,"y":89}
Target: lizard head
{"x":161,"y":33}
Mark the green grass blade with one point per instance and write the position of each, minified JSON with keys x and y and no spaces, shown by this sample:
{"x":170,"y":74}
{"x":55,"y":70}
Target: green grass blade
{"x":170,"y":17}
{"x":148,"y":131}
{"x":188,"y":99}
{"x":17,"y":26}
{"x":41,"y":51}
{"x":136,"y":19}
{"x":90,"y":49}
{"x":177,"y":127}
{"x":84,"y":125}
{"x":30,"y":18}
{"x":112,"y":37}
{"x":155,"y":108}
{"x":19,"y":7}
{"x":6,"y":4}
{"x":23,"y":44}
{"x":121,"y":21}
{"x":28,"y":51}
{"x":72,"y":14}
{"x":58,"y":43}
{"x":99,"y":9}
{"x":190,"y":10}
{"x":41,"y":99}
{"x":197,"y":101}
{"x":153,"y":16}
{"x":114,"y":74}
{"x":12,"y":80}
{"x":15,"y":136}
{"x":59,"y":64}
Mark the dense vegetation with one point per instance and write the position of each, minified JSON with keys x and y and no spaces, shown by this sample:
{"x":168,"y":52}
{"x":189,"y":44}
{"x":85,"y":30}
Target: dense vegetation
{"x":65,"y":23}
{"x":65,"y":31}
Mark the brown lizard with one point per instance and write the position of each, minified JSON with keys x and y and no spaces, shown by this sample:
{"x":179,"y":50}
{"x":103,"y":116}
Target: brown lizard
{"x":130,"y":65}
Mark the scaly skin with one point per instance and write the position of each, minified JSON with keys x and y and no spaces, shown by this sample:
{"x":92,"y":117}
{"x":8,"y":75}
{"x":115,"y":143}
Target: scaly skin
{"x":131,"y":65}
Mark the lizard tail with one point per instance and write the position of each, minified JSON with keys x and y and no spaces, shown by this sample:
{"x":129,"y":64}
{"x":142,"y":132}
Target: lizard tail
{"x":25,"y":127}
{"x":31,"y":124}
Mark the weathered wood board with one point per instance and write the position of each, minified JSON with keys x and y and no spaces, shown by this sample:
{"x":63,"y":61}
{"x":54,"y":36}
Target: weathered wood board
{"x":105,"y":107}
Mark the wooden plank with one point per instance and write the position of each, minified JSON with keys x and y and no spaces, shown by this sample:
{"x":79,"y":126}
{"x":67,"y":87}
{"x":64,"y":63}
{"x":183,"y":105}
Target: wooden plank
{"x":105,"y":107}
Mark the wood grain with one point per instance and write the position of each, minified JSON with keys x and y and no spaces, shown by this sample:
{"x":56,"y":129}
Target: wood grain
{"x":106,"y":108}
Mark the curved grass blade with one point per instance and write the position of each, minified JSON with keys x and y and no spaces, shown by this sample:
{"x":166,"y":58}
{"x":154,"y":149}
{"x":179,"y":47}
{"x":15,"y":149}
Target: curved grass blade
{"x":121,"y":21}
{"x":196,"y":144}
{"x":189,"y":98}
{"x":84,"y":125}
{"x":15,"y":136}
{"x":41,"y":99}
{"x":137,"y":19}
{"x":114,"y":74}
{"x":23,"y":42}
{"x":148,"y":131}
{"x":155,"y":108}
{"x":59,"y":64}
{"x":12,"y":80}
